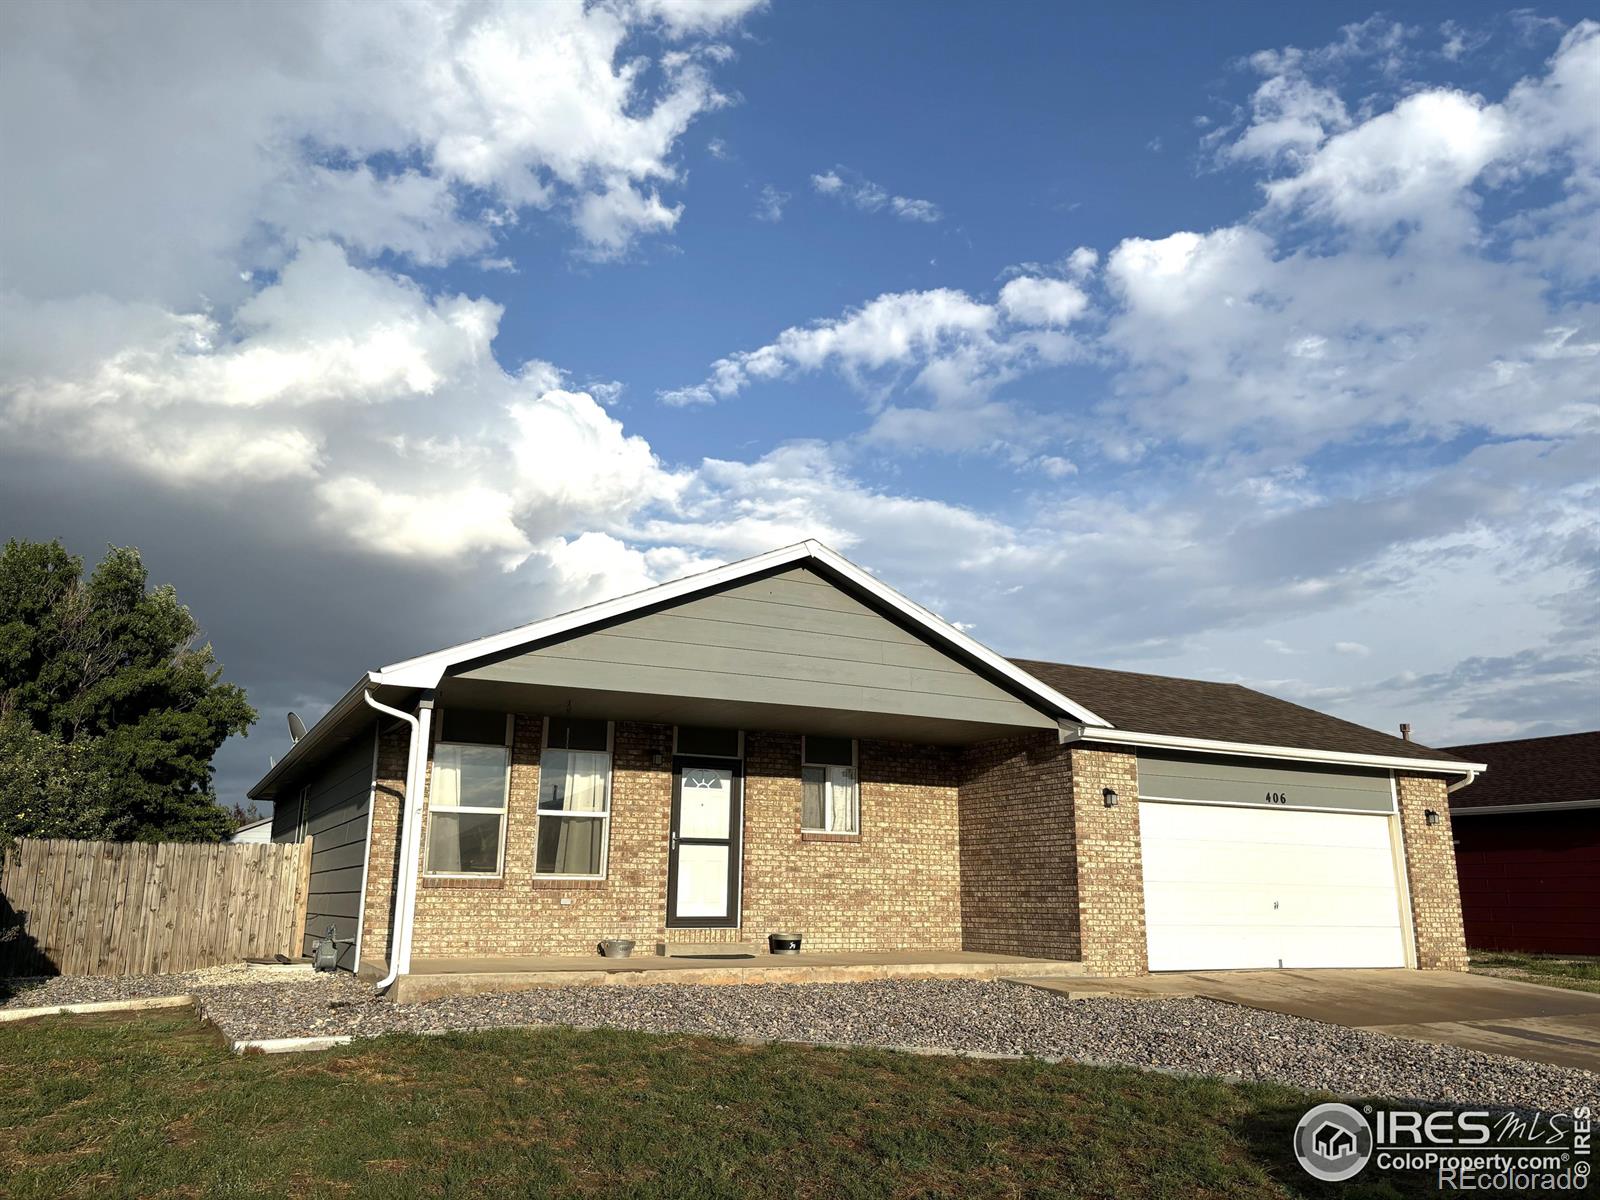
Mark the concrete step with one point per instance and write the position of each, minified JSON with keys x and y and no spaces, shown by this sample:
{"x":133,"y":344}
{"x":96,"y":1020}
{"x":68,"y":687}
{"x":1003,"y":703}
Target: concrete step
{"x":710,"y":949}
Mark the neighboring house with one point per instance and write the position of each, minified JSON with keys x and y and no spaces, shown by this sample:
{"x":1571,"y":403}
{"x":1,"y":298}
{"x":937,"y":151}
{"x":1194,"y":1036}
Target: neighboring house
{"x":785,"y":743}
{"x":254,"y":831}
{"x":1528,"y":845}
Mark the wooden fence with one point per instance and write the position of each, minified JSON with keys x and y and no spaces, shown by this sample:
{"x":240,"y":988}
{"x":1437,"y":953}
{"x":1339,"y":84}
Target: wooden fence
{"x":134,"y":908}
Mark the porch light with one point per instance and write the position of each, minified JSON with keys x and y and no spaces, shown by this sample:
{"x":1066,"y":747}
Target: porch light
{"x":1431,"y":817}
{"x":1110,"y":795}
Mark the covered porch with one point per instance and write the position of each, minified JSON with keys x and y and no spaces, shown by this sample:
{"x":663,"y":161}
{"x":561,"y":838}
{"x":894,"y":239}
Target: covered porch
{"x":434,"y":978}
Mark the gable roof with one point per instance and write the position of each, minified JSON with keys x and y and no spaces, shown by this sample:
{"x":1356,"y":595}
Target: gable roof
{"x":1172,"y":709}
{"x":425,"y":671}
{"x":1545,"y":772}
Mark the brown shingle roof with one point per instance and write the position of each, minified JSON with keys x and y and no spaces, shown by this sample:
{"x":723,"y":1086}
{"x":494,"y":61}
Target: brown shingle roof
{"x":1226,"y":712}
{"x":1542,"y":770}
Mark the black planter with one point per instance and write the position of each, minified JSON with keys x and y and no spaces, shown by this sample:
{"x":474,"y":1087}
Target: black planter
{"x":783,"y":943}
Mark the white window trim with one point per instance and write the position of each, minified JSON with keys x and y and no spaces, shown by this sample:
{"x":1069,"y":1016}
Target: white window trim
{"x":539,"y":814}
{"x":504,"y":810}
{"x":739,"y":757}
{"x":827,"y":789}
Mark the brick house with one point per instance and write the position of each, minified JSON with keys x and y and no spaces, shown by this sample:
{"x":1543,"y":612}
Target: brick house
{"x":786,"y":744}
{"x":1528,"y":845}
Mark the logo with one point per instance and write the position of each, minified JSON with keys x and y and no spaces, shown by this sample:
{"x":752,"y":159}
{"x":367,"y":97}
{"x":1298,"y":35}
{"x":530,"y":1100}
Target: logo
{"x":1333,"y":1142}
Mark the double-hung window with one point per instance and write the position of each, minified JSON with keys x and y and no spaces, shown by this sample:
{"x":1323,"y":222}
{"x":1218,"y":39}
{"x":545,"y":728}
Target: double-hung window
{"x":574,"y":799}
{"x":830,"y":796}
{"x":467,"y":796}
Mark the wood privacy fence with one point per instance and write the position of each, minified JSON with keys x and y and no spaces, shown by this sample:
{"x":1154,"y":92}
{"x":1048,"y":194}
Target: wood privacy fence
{"x":135,"y":908}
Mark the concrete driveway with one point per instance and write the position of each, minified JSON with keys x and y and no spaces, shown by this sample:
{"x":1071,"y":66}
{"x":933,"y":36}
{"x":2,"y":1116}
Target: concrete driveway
{"x":1498,"y":1016}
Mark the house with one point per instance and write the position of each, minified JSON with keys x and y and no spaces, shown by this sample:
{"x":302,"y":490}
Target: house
{"x":785,"y":743}
{"x":1528,"y":845}
{"x":252,"y":832}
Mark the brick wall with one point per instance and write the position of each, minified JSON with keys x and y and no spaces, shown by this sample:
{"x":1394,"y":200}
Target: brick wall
{"x":383,"y":868}
{"x":1019,"y":871}
{"x":895,"y":885}
{"x":1431,"y":869}
{"x":1110,"y":863}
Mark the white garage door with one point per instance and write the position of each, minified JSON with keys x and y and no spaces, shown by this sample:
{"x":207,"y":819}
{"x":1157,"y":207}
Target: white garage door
{"x":1268,"y":887}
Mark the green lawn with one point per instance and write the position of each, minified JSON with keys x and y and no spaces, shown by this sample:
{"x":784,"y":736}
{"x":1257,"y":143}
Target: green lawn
{"x":1565,"y":971}
{"x":156,"y":1106}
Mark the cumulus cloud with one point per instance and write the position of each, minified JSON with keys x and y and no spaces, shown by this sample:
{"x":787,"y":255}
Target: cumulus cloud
{"x":851,"y":188}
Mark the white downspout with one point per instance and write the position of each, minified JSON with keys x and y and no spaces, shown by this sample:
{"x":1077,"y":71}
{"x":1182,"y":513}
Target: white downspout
{"x":408,"y":836}
{"x":1470,"y":777}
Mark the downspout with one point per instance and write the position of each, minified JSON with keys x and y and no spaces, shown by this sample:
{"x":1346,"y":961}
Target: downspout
{"x":1466,"y":781}
{"x":408,"y":837}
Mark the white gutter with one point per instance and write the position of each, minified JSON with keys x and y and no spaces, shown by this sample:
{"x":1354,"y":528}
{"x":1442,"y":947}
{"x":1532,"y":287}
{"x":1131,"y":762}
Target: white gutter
{"x":405,"y":902}
{"x":1493,"y":810}
{"x":1130,"y":737}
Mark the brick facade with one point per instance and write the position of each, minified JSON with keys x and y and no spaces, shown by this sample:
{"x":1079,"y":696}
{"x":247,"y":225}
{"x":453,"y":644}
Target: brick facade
{"x":1110,"y":861}
{"x":1431,"y":869}
{"x":893,"y":886}
{"x":1019,"y":868}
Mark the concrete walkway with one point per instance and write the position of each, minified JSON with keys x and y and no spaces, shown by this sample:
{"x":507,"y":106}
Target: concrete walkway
{"x":1497,"y":1016}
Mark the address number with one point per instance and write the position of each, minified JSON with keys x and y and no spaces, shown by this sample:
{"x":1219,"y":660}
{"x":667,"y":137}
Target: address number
{"x":1277,"y":797}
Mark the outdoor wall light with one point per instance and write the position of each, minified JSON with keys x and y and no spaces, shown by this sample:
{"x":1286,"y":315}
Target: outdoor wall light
{"x":1110,"y":795}
{"x":1431,"y":817}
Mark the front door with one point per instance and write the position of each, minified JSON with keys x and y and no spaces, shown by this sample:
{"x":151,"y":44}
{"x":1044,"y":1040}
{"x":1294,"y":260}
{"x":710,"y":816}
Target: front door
{"x":703,"y":863}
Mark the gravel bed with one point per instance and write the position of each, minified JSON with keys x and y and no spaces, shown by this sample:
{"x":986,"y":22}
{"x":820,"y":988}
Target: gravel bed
{"x":49,"y":991}
{"x":1186,"y":1035}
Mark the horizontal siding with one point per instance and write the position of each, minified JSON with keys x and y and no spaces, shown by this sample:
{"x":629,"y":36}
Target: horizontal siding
{"x":1531,"y":881}
{"x":792,"y":639}
{"x":1248,"y":782}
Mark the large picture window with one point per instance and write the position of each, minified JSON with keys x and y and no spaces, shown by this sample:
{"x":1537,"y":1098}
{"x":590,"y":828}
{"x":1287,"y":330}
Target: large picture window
{"x":574,"y":799}
{"x":467,"y":796}
{"x":830,"y":796}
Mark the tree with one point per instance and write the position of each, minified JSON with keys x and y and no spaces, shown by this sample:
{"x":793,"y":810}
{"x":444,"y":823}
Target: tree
{"x":110,"y":714}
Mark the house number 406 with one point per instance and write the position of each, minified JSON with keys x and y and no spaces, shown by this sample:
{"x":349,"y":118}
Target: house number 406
{"x":1277,"y":797}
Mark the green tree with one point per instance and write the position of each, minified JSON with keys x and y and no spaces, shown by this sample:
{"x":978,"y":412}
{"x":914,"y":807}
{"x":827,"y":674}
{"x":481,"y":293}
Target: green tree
{"x":109,"y":713}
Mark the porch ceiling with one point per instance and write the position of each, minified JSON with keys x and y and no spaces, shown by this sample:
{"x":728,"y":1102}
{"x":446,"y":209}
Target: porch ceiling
{"x":543,"y":699}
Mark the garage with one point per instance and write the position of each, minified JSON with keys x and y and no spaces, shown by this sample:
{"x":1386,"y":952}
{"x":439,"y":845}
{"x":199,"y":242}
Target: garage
{"x":1259,"y":865}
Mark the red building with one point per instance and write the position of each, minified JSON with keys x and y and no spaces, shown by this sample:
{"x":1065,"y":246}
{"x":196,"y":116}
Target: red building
{"x":1527,"y":839}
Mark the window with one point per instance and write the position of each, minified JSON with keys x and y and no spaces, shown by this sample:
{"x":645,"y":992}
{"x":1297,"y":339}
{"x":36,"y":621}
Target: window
{"x":708,"y":743}
{"x":467,"y":796}
{"x":574,"y":799}
{"x":829,"y":794}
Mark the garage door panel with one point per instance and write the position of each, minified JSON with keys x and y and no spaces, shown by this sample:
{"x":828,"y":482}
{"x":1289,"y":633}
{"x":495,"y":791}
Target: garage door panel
{"x":1263,"y":887}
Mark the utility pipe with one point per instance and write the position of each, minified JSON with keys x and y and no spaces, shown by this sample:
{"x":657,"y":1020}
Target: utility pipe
{"x":407,"y":835}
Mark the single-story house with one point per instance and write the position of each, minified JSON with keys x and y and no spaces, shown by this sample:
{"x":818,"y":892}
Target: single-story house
{"x":1528,"y":845}
{"x":787,"y":744}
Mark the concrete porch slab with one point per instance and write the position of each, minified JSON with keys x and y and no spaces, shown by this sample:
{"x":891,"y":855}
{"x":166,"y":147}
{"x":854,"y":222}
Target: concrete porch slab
{"x":1497,"y":1016}
{"x":431,"y":979}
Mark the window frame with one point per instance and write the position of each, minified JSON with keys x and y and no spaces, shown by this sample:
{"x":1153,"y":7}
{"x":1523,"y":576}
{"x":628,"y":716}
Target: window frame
{"x":827,"y":786}
{"x":679,"y":753}
{"x":539,"y":813}
{"x":504,"y":811}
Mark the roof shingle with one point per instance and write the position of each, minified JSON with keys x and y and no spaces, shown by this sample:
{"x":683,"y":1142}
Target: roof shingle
{"x":1542,"y":770}
{"x":1227,"y":712}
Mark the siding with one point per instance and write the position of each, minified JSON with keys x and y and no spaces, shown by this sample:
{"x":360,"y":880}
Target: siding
{"x":341,"y":792}
{"x":1531,"y":881}
{"x":1249,"y":781}
{"x":792,"y":639}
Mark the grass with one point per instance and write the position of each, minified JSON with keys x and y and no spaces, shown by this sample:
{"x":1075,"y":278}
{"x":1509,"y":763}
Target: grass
{"x":157,"y":1106}
{"x":1576,"y":972}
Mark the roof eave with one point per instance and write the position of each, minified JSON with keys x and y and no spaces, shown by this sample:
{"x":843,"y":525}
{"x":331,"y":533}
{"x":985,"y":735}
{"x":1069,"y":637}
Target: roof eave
{"x":316,"y":735}
{"x":1129,"y":737}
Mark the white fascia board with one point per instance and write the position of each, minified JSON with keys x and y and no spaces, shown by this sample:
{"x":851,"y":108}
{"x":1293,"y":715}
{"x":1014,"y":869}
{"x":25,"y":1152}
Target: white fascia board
{"x":313,"y":736}
{"x":1494,"y":810}
{"x":426,"y":670}
{"x":1129,"y":737}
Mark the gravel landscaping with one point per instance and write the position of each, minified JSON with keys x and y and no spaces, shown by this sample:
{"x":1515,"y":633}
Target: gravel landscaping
{"x":1186,"y":1035}
{"x":49,"y":991}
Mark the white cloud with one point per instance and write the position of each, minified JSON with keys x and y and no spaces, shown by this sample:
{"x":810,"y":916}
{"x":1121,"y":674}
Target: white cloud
{"x":1030,"y":301}
{"x":1359,"y":649}
{"x":769,"y":204}
{"x":849,"y":187}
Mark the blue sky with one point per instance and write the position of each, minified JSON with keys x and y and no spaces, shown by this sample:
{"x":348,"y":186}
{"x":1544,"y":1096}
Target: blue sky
{"x":1255,"y":343}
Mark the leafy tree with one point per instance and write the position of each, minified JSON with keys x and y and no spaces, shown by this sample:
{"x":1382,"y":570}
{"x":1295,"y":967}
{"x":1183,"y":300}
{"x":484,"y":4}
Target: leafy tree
{"x":109,"y":713}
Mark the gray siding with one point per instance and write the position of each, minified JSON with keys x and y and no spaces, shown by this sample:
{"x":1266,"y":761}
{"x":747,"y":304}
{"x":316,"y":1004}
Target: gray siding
{"x":337,"y":810}
{"x":1251,"y":781}
{"x":790,"y":639}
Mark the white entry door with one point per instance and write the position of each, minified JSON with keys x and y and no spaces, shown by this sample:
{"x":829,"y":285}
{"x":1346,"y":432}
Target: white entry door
{"x":703,"y":863}
{"x":1245,"y":887}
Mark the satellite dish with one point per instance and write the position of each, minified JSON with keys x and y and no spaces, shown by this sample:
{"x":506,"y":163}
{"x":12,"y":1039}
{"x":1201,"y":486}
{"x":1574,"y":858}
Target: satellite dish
{"x":297,"y":728}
